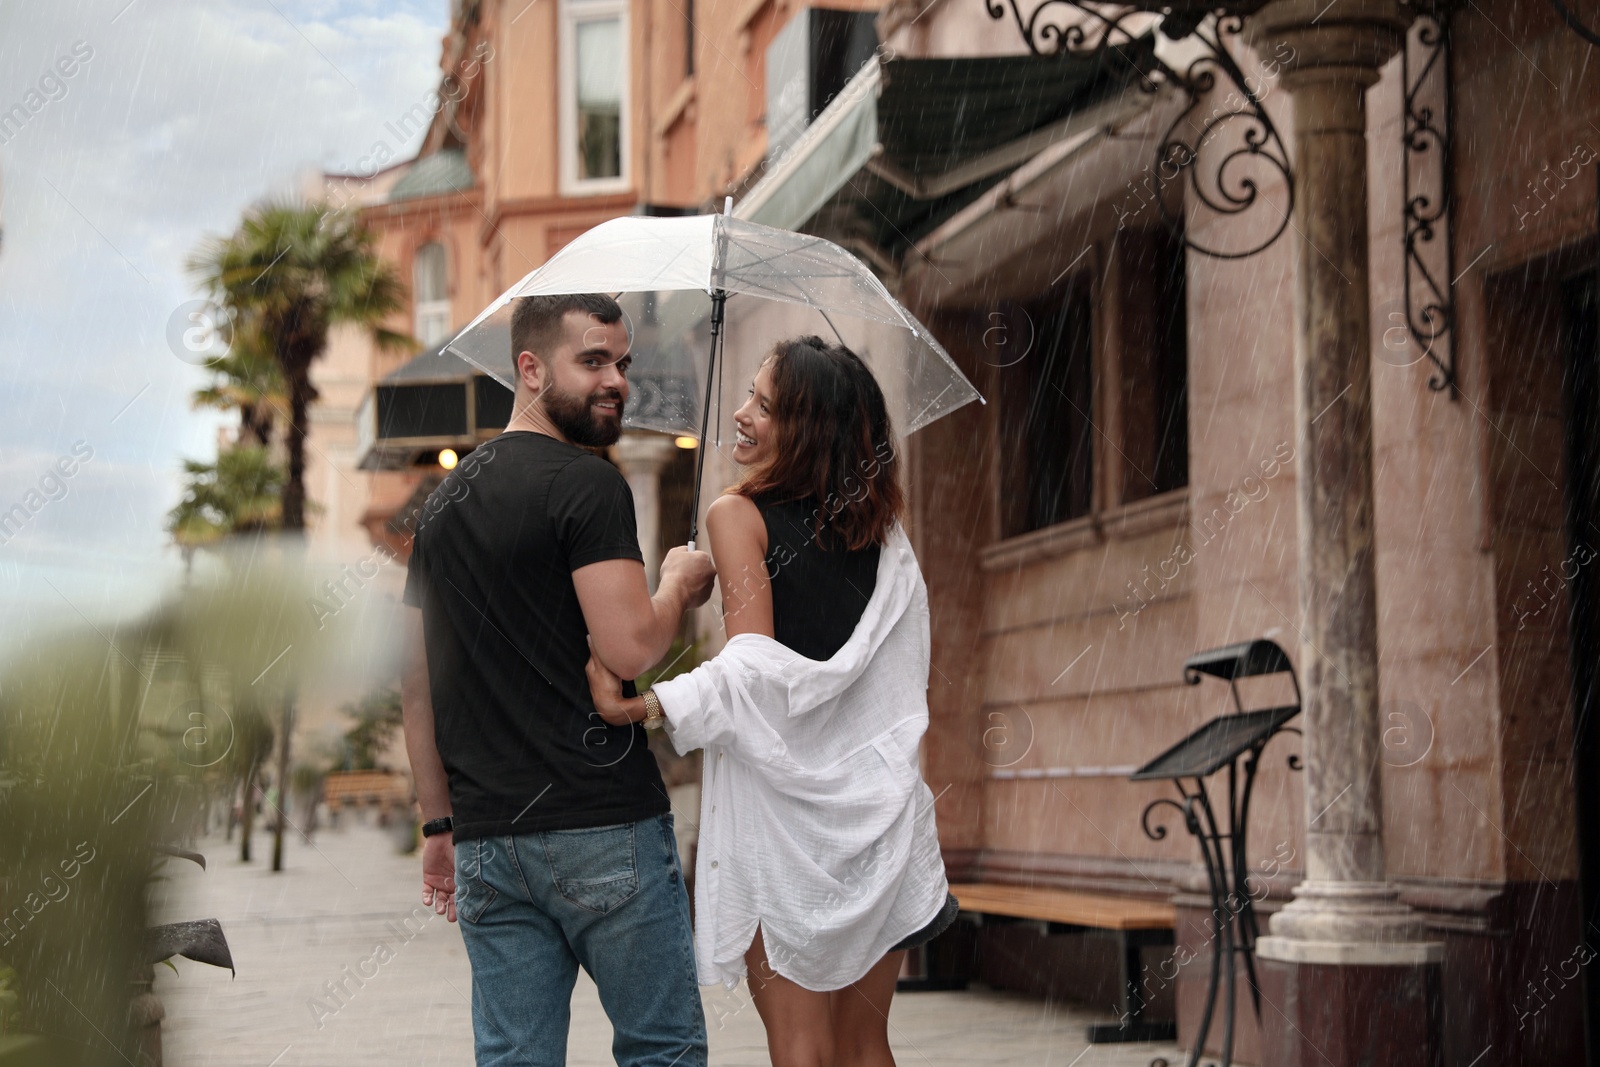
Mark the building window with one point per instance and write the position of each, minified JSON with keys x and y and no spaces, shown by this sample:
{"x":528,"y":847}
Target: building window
{"x":1051,"y":370}
{"x":430,"y":293}
{"x":1153,"y":364}
{"x":594,"y":95}
{"x":1047,"y":403}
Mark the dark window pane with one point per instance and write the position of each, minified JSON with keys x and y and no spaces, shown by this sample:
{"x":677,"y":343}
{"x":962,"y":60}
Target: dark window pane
{"x":492,"y":402}
{"x":1154,"y":364}
{"x":407,"y":411}
{"x":1047,"y":402}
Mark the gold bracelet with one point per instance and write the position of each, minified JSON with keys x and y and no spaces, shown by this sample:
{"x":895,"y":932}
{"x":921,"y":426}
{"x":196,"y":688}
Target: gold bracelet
{"x":654,"y":717}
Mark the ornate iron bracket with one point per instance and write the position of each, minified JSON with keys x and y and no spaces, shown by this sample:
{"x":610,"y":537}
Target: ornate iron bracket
{"x":1574,"y":23}
{"x":1223,"y":172}
{"x":1430,"y":292}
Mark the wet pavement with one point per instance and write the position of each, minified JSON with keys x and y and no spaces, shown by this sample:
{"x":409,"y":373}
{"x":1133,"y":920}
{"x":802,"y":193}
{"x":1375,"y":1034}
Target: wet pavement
{"x":314,"y":988}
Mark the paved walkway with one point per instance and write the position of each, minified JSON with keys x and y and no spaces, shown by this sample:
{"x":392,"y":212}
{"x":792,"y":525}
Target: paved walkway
{"x":320,"y":921}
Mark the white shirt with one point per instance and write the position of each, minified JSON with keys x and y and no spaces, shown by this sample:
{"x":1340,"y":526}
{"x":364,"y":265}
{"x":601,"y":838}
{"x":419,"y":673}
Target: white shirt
{"x":814,"y":818}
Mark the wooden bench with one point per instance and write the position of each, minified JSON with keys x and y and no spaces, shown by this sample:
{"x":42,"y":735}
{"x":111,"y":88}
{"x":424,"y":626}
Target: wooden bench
{"x":1136,"y":923}
{"x":382,"y":789}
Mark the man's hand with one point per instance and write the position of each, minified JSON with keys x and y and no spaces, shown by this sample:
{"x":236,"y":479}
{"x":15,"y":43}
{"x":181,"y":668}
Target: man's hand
{"x":606,"y":688}
{"x":439,"y":874}
{"x":693,"y":572}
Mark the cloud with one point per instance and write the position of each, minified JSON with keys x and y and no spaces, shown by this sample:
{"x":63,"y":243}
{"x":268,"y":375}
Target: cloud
{"x":181,"y":116}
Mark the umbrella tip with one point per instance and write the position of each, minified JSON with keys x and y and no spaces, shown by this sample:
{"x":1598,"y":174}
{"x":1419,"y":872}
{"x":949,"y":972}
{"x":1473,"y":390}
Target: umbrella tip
{"x":727,"y":205}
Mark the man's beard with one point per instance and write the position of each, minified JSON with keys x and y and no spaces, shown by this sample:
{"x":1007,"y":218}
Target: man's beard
{"x":576,"y":420}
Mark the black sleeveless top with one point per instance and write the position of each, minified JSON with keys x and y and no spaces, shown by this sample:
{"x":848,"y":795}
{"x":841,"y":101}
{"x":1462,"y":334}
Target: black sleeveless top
{"x":819,"y":590}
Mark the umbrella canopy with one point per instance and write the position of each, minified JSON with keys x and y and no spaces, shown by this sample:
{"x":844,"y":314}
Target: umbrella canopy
{"x":667,"y":273}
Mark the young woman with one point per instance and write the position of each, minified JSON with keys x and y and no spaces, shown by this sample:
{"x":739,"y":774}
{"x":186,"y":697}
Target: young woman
{"x":818,"y":862}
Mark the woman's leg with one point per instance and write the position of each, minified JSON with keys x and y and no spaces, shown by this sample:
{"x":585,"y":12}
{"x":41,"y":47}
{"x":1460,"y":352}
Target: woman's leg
{"x":799,"y":1031}
{"x":861,"y":1016}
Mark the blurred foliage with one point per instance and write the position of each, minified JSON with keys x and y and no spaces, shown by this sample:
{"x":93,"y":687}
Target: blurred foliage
{"x":239,"y":493}
{"x":10,"y":1001}
{"x":378,"y":717}
{"x":247,"y":380}
{"x":80,"y":798}
{"x":120,"y":737}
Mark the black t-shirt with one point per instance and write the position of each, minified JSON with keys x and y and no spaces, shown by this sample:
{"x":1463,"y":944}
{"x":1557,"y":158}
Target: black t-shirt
{"x":491,"y":568}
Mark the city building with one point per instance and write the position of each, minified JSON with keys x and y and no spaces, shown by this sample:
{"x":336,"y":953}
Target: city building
{"x":1274,"y":397}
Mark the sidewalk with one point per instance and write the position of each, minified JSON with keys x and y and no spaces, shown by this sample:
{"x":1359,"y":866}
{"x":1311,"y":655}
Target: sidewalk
{"x":321,"y":921}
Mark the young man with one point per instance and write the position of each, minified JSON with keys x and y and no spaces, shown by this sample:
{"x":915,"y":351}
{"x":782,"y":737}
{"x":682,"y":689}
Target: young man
{"x":546,"y":830}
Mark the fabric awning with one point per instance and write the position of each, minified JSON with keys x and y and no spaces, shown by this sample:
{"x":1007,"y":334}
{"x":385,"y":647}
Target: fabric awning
{"x":822,"y":160}
{"x":436,"y":400}
{"x":921,"y":138}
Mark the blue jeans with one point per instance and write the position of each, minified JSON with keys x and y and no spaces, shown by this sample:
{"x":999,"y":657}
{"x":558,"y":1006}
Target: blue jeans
{"x":534,"y":907}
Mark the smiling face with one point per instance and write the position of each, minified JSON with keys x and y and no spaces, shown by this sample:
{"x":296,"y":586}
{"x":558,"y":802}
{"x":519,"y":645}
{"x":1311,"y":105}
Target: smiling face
{"x":754,"y":444}
{"x":583,"y":384}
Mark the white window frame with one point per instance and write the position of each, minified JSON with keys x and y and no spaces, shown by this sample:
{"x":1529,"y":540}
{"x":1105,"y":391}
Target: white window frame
{"x":573,"y":12}
{"x":431,"y":309}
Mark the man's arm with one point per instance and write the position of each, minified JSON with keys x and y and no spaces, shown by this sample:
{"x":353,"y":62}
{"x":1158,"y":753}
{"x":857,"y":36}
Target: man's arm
{"x":629,"y":629}
{"x":427,"y":770}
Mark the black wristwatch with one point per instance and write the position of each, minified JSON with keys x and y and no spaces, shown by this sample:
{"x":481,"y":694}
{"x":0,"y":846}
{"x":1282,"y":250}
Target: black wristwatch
{"x":438,"y":826}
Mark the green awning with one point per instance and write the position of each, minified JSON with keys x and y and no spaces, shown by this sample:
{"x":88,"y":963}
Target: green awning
{"x":918,"y":139}
{"x":826,"y":155}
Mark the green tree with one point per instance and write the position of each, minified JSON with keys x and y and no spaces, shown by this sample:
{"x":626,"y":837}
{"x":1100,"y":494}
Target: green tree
{"x":247,"y":381}
{"x":377,"y":717}
{"x":293,"y":271}
{"x":240,"y":493}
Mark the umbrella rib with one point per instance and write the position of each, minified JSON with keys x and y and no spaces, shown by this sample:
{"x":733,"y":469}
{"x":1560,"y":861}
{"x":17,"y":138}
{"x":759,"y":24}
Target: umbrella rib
{"x":832,"y":327}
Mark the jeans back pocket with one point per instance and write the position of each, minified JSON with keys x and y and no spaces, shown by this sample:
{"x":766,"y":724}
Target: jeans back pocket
{"x":474,"y":894}
{"x":595,"y":868}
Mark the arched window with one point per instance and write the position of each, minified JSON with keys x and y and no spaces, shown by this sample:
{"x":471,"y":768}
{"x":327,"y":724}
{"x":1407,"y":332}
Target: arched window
{"x":431,"y":293}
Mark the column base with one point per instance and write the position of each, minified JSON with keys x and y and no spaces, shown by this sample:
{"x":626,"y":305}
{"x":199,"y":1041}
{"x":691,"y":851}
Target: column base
{"x":1362,"y":918}
{"x":1350,"y":1014}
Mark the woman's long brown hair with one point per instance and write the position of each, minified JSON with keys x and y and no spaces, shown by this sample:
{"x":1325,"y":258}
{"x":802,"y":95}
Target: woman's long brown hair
{"x":832,"y":443}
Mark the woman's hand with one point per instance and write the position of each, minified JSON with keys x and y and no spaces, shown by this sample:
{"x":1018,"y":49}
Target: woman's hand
{"x":606,"y":689}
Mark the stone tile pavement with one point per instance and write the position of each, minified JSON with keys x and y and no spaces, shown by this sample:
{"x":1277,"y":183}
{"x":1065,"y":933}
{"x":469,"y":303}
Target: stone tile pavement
{"x":348,"y":891}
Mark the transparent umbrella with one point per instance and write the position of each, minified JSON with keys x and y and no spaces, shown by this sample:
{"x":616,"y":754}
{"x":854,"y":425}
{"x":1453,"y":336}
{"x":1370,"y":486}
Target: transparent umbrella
{"x":706,"y":297}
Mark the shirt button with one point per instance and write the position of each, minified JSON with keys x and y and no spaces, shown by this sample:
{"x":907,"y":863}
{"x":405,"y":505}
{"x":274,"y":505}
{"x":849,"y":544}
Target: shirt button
{"x":713,"y":865}
{"x":720,"y":755}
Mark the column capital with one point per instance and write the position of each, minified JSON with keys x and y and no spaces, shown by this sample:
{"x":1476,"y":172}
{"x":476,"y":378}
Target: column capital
{"x":643,"y":452}
{"x":1346,"y":40}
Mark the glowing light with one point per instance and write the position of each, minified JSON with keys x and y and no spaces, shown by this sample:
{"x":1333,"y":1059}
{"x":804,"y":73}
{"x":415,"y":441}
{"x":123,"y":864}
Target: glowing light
{"x":448,"y":458}
{"x":686,"y":442}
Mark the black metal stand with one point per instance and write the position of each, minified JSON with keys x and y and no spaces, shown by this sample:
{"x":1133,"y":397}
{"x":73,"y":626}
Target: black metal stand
{"x":1219,"y":825}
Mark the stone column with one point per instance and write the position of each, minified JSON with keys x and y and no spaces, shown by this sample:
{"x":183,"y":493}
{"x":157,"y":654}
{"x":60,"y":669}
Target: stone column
{"x":642,"y":456}
{"x":1353,"y":966}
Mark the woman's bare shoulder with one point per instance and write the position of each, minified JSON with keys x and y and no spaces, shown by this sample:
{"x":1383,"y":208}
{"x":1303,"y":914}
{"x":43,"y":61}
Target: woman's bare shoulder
{"x":734,"y":516}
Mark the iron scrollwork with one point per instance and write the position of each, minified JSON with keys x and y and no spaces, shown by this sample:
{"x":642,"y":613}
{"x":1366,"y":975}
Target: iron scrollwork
{"x":1223,"y":173}
{"x":1429,"y":292}
{"x":1574,"y":23}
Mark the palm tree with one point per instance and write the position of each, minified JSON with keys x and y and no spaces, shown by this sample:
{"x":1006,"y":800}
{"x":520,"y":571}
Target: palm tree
{"x":240,"y":493}
{"x":248,"y":381}
{"x":294,"y":271}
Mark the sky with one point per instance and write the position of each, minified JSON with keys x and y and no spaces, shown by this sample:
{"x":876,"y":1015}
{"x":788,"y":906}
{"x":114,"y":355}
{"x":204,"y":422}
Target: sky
{"x":174,"y":118}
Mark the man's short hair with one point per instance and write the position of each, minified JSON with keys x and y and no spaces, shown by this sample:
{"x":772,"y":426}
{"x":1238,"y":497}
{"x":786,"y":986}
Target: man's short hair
{"x":536,"y":320}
